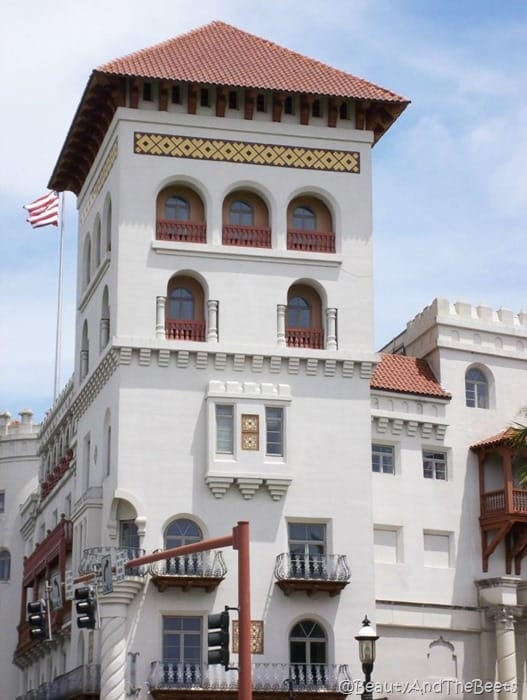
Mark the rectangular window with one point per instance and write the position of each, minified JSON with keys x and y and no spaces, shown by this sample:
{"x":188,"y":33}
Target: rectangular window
{"x":250,"y":432}
{"x":224,"y":429}
{"x":182,"y":649}
{"x":434,"y":465}
{"x":307,"y":550}
{"x":382,"y":459}
{"x":437,"y":549}
{"x":386,"y":545}
{"x":128,"y":534}
{"x":274,"y":431}
{"x":2,"y":501}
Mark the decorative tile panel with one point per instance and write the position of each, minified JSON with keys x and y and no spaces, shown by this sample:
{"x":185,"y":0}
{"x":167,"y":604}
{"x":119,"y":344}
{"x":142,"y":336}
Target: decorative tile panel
{"x":99,"y":182}
{"x":324,"y":159}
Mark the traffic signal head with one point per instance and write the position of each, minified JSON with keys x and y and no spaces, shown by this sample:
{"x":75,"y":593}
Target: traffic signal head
{"x":85,"y":605}
{"x":37,"y":617}
{"x":218,"y":639}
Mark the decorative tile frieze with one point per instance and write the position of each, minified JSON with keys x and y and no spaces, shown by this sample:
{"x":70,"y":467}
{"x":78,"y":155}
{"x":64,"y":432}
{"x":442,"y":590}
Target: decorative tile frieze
{"x":228,"y":151}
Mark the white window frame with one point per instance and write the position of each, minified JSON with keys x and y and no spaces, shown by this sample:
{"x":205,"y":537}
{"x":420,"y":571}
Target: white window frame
{"x":375,"y":444}
{"x":280,"y":454}
{"x":227,"y":418}
{"x":433,"y":455}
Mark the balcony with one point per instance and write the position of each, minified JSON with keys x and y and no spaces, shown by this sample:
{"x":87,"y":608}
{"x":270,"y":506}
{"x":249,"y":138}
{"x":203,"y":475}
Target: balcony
{"x":56,"y":474}
{"x":92,"y":558}
{"x":185,"y":231}
{"x":185,"y":330}
{"x":311,"y":241}
{"x":328,"y":573}
{"x":56,"y":544}
{"x":304,"y":338}
{"x":499,"y":503}
{"x":247,"y":236}
{"x":268,"y":679}
{"x":199,"y":570}
{"x":83,"y":682}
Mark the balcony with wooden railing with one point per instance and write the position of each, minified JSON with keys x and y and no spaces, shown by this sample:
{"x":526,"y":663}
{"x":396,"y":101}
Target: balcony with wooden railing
{"x":247,"y":236}
{"x":56,"y":474}
{"x":182,"y":231}
{"x":185,"y":330}
{"x":56,"y":545}
{"x":311,"y":241}
{"x":304,"y":338}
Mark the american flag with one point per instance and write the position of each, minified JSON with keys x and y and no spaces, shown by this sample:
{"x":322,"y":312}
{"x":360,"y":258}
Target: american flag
{"x":44,"y":211}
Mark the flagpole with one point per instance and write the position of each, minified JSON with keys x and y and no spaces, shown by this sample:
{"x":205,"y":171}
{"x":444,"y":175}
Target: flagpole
{"x":58,"y":337}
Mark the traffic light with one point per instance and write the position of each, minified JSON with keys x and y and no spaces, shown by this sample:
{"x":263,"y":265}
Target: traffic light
{"x":218,"y":639}
{"x":85,"y":604}
{"x":37,"y":617}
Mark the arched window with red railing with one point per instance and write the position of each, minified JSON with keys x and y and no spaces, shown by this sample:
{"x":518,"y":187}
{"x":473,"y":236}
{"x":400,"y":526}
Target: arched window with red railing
{"x":310,"y":225}
{"x":245,"y":220}
{"x":180,"y":215}
{"x":303,"y":325}
{"x":185,"y":318}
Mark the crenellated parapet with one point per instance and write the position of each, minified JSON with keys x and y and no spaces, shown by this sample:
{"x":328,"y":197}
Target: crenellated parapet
{"x":477,"y":328}
{"x":23,"y":428}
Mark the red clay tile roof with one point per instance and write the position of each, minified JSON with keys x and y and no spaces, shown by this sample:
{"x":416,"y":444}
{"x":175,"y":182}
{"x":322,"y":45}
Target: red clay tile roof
{"x":493,"y":441}
{"x":220,"y":54}
{"x":407,"y":375}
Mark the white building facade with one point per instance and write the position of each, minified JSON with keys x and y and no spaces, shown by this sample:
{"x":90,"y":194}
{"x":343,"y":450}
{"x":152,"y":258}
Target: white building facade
{"x":225,"y":372}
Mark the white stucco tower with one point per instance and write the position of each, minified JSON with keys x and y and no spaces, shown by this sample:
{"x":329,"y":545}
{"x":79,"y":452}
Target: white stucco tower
{"x":223,"y":362}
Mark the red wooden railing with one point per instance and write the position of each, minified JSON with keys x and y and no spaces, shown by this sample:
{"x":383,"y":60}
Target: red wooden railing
{"x":48,"y":549}
{"x":519,"y":500}
{"x":304,"y":338}
{"x":494,"y":501}
{"x":169,"y":230}
{"x":185,"y":330}
{"x":249,"y":236}
{"x":312,"y":241}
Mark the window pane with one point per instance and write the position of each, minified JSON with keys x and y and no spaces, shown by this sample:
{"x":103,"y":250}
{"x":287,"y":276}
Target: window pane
{"x":241,"y":214}
{"x":382,"y":459}
{"x":304,"y":218}
{"x":224,"y":429}
{"x":298,"y":313}
{"x":434,"y":465}
{"x":2,"y":501}
{"x":274,"y":431}
{"x":181,"y":304}
{"x":177,"y":208}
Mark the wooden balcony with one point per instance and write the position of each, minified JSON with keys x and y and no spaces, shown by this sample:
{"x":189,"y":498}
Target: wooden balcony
{"x":26,"y":644}
{"x":184,"y":231}
{"x":56,"y":544}
{"x":247,"y":236}
{"x":327,"y":573}
{"x":270,"y":681}
{"x":311,"y":241}
{"x":185,"y":330}
{"x":56,"y":474}
{"x":304,"y":338}
{"x":497,"y":504}
{"x":205,"y":570}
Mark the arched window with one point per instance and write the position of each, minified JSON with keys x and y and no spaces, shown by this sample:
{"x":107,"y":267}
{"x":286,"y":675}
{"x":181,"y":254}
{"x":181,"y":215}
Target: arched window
{"x":304,"y":218}
{"x":178,"y":533}
{"x":241,"y":214}
{"x":86,"y":263}
{"x":85,"y":352}
{"x":177,"y":209}
{"x":5,"y":565}
{"x":181,"y":304}
{"x":308,"y":653}
{"x":104,"y":324}
{"x":476,"y":389}
{"x":298,"y":313}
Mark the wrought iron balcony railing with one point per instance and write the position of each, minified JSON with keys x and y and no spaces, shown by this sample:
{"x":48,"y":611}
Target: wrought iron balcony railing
{"x":328,"y":567}
{"x":209,"y":564}
{"x":266,"y":677}
{"x":92,"y":557}
{"x":83,"y":681}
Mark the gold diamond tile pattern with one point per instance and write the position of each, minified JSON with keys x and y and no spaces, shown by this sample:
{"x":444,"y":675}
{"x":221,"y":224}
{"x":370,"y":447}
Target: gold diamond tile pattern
{"x":101,"y":179}
{"x":243,"y":152}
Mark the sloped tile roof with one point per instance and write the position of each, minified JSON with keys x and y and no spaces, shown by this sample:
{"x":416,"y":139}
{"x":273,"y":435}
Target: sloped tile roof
{"x":406,"y":375}
{"x":220,"y":54}
{"x":501,"y":438}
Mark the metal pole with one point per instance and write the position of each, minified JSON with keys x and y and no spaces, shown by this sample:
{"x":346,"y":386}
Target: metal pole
{"x":241,"y":544}
{"x":58,"y":336}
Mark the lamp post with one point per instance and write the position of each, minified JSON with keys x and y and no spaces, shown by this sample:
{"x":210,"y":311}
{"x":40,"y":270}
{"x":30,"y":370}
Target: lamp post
{"x":366,"y":639}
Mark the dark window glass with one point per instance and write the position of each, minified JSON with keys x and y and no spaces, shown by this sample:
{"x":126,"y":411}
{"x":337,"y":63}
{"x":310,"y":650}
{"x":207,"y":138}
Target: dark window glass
{"x":304,"y":218}
{"x":241,"y":214}
{"x":181,"y":304}
{"x":177,"y":209}
{"x":476,"y":389}
{"x":298,"y":313}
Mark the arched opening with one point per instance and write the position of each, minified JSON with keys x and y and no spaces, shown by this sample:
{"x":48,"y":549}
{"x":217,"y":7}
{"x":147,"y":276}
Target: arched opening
{"x":309,"y":225}
{"x":97,"y":242}
{"x":86,"y":262}
{"x":180,"y":215}
{"x":178,"y":533}
{"x":85,"y":352}
{"x":246,"y":220}
{"x":185,"y":314}
{"x":476,"y":388}
{"x":303,"y":326}
{"x":308,"y":653}
{"x":108,"y":226}
{"x":104,"y":326}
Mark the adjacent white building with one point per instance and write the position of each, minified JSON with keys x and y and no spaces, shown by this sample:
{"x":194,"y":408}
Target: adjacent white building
{"x":225,"y":372}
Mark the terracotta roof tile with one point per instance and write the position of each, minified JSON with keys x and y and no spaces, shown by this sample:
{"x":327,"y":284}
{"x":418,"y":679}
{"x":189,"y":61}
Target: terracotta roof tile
{"x":494,"y":440}
{"x":407,"y":375}
{"x":220,"y":54}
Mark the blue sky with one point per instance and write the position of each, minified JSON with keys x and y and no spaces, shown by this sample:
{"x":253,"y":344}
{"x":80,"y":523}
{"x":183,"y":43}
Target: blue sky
{"x":449,"y":178}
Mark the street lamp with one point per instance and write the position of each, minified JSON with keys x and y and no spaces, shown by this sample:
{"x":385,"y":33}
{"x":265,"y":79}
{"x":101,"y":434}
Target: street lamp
{"x":366,"y":639}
